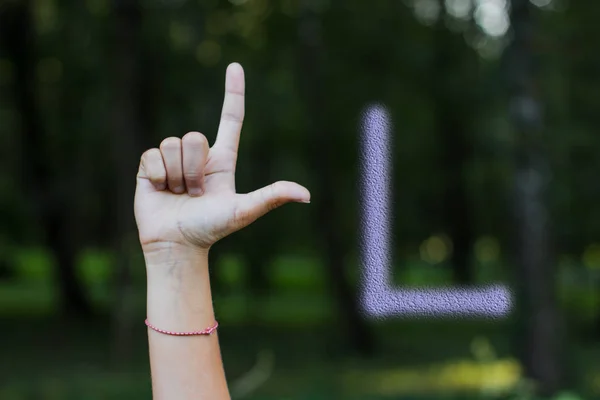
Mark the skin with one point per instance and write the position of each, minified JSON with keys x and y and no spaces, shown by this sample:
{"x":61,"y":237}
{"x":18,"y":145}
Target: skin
{"x":185,"y":202}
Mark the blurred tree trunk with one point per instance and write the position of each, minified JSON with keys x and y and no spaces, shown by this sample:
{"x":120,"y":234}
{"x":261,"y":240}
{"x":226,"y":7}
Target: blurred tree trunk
{"x":583,"y":84}
{"x":452,"y":122}
{"x":541,"y":336}
{"x":327,"y":219}
{"x":12,"y":232}
{"x":51,"y":193}
{"x":258,"y":256}
{"x":127,"y":150}
{"x":151,"y":86}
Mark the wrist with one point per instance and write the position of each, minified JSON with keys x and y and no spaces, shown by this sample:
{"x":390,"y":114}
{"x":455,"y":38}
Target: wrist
{"x":178,"y":269}
{"x":159,"y":254}
{"x":178,"y":295}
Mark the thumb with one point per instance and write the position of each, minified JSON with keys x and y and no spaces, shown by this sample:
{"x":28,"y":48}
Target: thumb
{"x":152,"y":175}
{"x":255,"y":204}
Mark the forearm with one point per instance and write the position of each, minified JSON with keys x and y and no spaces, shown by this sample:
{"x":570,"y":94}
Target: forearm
{"x":179,"y":300}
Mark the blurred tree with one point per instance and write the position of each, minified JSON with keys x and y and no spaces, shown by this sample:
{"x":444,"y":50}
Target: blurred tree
{"x":260,"y":247}
{"x":452,"y":84}
{"x":259,"y":244}
{"x":541,"y":338}
{"x":48,"y":187}
{"x":327,"y":216}
{"x":127,"y":148}
{"x":583,"y":83}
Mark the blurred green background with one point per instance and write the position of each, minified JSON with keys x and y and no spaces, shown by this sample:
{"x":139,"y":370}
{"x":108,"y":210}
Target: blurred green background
{"x":495,"y":112}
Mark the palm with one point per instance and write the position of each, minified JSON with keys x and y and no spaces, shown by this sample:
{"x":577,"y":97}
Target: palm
{"x":200,"y":221}
{"x":206,"y":208}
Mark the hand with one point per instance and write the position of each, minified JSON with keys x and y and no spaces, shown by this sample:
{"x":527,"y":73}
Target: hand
{"x":185,"y":192}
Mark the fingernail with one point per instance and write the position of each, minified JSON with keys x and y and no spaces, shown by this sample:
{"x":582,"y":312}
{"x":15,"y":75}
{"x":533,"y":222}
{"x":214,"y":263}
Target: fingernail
{"x":161,"y":186}
{"x":195,"y":192}
{"x":179,"y":189}
{"x":306,"y":201}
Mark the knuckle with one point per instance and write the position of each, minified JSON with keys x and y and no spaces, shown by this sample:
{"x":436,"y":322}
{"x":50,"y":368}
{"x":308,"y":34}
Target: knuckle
{"x":158,"y":176}
{"x":241,"y":217}
{"x":231,"y":116}
{"x":149,"y":158}
{"x":170,"y":143}
{"x":195,"y":138}
{"x":237,"y":219}
{"x":275,"y":190}
{"x":273,"y":201}
{"x":152,"y":153}
{"x":145,"y":155}
{"x":192,"y":175}
{"x":273,"y":205}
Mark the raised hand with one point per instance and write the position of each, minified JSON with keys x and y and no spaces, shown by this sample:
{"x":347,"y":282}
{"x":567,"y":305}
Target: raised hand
{"x":185,"y":191}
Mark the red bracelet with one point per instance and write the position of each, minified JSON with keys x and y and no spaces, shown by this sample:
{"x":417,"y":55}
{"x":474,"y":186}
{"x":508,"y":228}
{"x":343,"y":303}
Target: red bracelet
{"x":206,"y":331}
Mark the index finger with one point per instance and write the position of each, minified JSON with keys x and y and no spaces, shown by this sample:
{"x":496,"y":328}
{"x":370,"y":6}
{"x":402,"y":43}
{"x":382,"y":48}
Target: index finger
{"x":232,"y":115}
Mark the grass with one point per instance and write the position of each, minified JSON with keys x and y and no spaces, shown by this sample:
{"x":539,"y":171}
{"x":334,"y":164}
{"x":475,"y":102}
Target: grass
{"x":48,"y":358}
{"x":43,"y":363}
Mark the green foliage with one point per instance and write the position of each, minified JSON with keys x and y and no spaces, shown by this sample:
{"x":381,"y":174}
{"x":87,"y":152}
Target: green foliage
{"x":441,"y":78}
